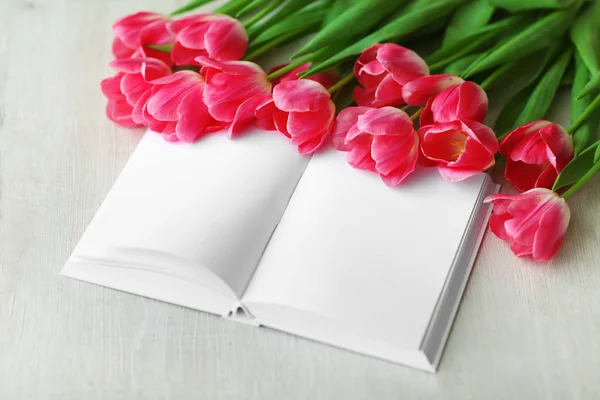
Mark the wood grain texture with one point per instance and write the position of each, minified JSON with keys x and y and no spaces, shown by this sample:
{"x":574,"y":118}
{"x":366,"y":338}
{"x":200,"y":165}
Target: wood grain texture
{"x":524,"y":331}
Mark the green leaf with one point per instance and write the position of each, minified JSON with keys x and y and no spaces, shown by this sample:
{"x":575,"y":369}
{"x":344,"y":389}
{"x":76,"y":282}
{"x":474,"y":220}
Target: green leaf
{"x":489,"y":32}
{"x":541,"y":99}
{"x":518,"y":75}
{"x":459,"y":66}
{"x":353,"y":22}
{"x":535,"y":37}
{"x":289,"y":9}
{"x":507,"y":120}
{"x":585,"y":35}
{"x":587,"y":132}
{"x":522,"y":5}
{"x":296,"y":22}
{"x":393,"y":31}
{"x":532,"y":102}
{"x":231,"y":8}
{"x":578,"y":167}
{"x":336,"y":8}
{"x":251,"y":6}
{"x":467,"y":19}
{"x":190,"y":6}
{"x":597,"y":155}
{"x":592,"y":85}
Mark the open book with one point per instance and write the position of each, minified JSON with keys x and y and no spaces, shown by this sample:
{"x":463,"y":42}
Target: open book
{"x":250,"y":230}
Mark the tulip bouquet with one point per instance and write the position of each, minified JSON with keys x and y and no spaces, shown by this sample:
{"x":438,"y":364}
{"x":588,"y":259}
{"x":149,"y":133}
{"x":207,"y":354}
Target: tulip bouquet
{"x":357,"y":87}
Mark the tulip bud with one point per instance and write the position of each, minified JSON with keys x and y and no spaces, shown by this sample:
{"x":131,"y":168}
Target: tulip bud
{"x":382,"y":70}
{"x":301,"y":110}
{"x":534,"y":223}
{"x":459,"y":148}
{"x":535,"y":154}
{"x":382,"y":140}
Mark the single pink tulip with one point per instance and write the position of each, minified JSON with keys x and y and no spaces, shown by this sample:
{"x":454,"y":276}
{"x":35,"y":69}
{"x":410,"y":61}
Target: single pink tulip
{"x":534,"y":222}
{"x":382,"y":70}
{"x":327,"y":78}
{"x":535,"y":154}
{"x":175,"y":108}
{"x":301,"y":110}
{"x":130,"y":88}
{"x":382,"y":140}
{"x":418,"y":91}
{"x":217,"y":36}
{"x":459,"y":148}
{"x":134,"y":32}
{"x":466,"y":101}
{"x":234,"y":90}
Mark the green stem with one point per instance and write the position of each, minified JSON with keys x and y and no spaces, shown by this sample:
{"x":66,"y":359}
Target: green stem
{"x":262,"y":13}
{"x":289,"y":67}
{"x":416,"y":114}
{"x":189,"y":6}
{"x":584,"y":115}
{"x":231,"y":8}
{"x":495,"y":76}
{"x":581,"y":181}
{"x":269,"y":45}
{"x":341,"y":83}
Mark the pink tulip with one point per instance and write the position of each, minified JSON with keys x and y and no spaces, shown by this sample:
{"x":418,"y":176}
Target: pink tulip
{"x":129,"y":89}
{"x":382,"y":140}
{"x":459,"y":148}
{"x":301,"y":110}
{"x":382,"y":70}
{"x":535,"y":154}
{"x":175,"y":108}
{"x":534,"y":222}
{"x":417,"y":92}
{"x":466,"y":101}
{"x":234,"y":90}
{"x":327,"y":78}
{"x":134,"y":32}
{"x":217,"y":36}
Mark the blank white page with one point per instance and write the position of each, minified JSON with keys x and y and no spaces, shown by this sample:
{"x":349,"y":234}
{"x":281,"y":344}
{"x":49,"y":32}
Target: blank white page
{"x":213,"y":204}
{"x":370,"y":257}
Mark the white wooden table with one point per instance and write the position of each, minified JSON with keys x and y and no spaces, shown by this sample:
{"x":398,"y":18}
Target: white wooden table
{"x":524,"y":331}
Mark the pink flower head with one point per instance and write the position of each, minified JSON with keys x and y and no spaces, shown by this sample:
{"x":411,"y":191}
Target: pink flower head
{"x":134,"y":32}
{"x":327,"y":78}
{"x":234,"y":90}
{"x":417,"y":92}
{"x":535,"y":154}
{"x":459,"y":148}
{"x":534,"y":222}
{"x":382,"y":70}
{"x":175,"y":108}
{"x":217,"y":36}
{"x":466,"y":101}
{"x":301,"y":110}
{"x":382,"y":140}
{"x":129,"y":89}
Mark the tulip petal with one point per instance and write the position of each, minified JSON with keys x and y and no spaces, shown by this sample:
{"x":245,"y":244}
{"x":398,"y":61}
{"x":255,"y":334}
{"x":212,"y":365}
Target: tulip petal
{"x":246,"y":113}
{"x":417,"y":92}
{"x":226,"y":39}
{"x":456,"y":175}
{"x":360,"y":154}
{"x":344,"y":121}
{"x":466,"y":101}
{"x":395,"y":156}
{"x":403,"y":64}
{"x":193,"y":117}
{"x":264,"y":116}
{"x":551,"y":230}
{"x":385,"y":121}
{"x":301,"y":96}
{"x":389,"y":93}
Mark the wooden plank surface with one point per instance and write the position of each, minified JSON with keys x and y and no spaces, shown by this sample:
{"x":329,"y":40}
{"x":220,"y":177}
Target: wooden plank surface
{"x":524,"y":331}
